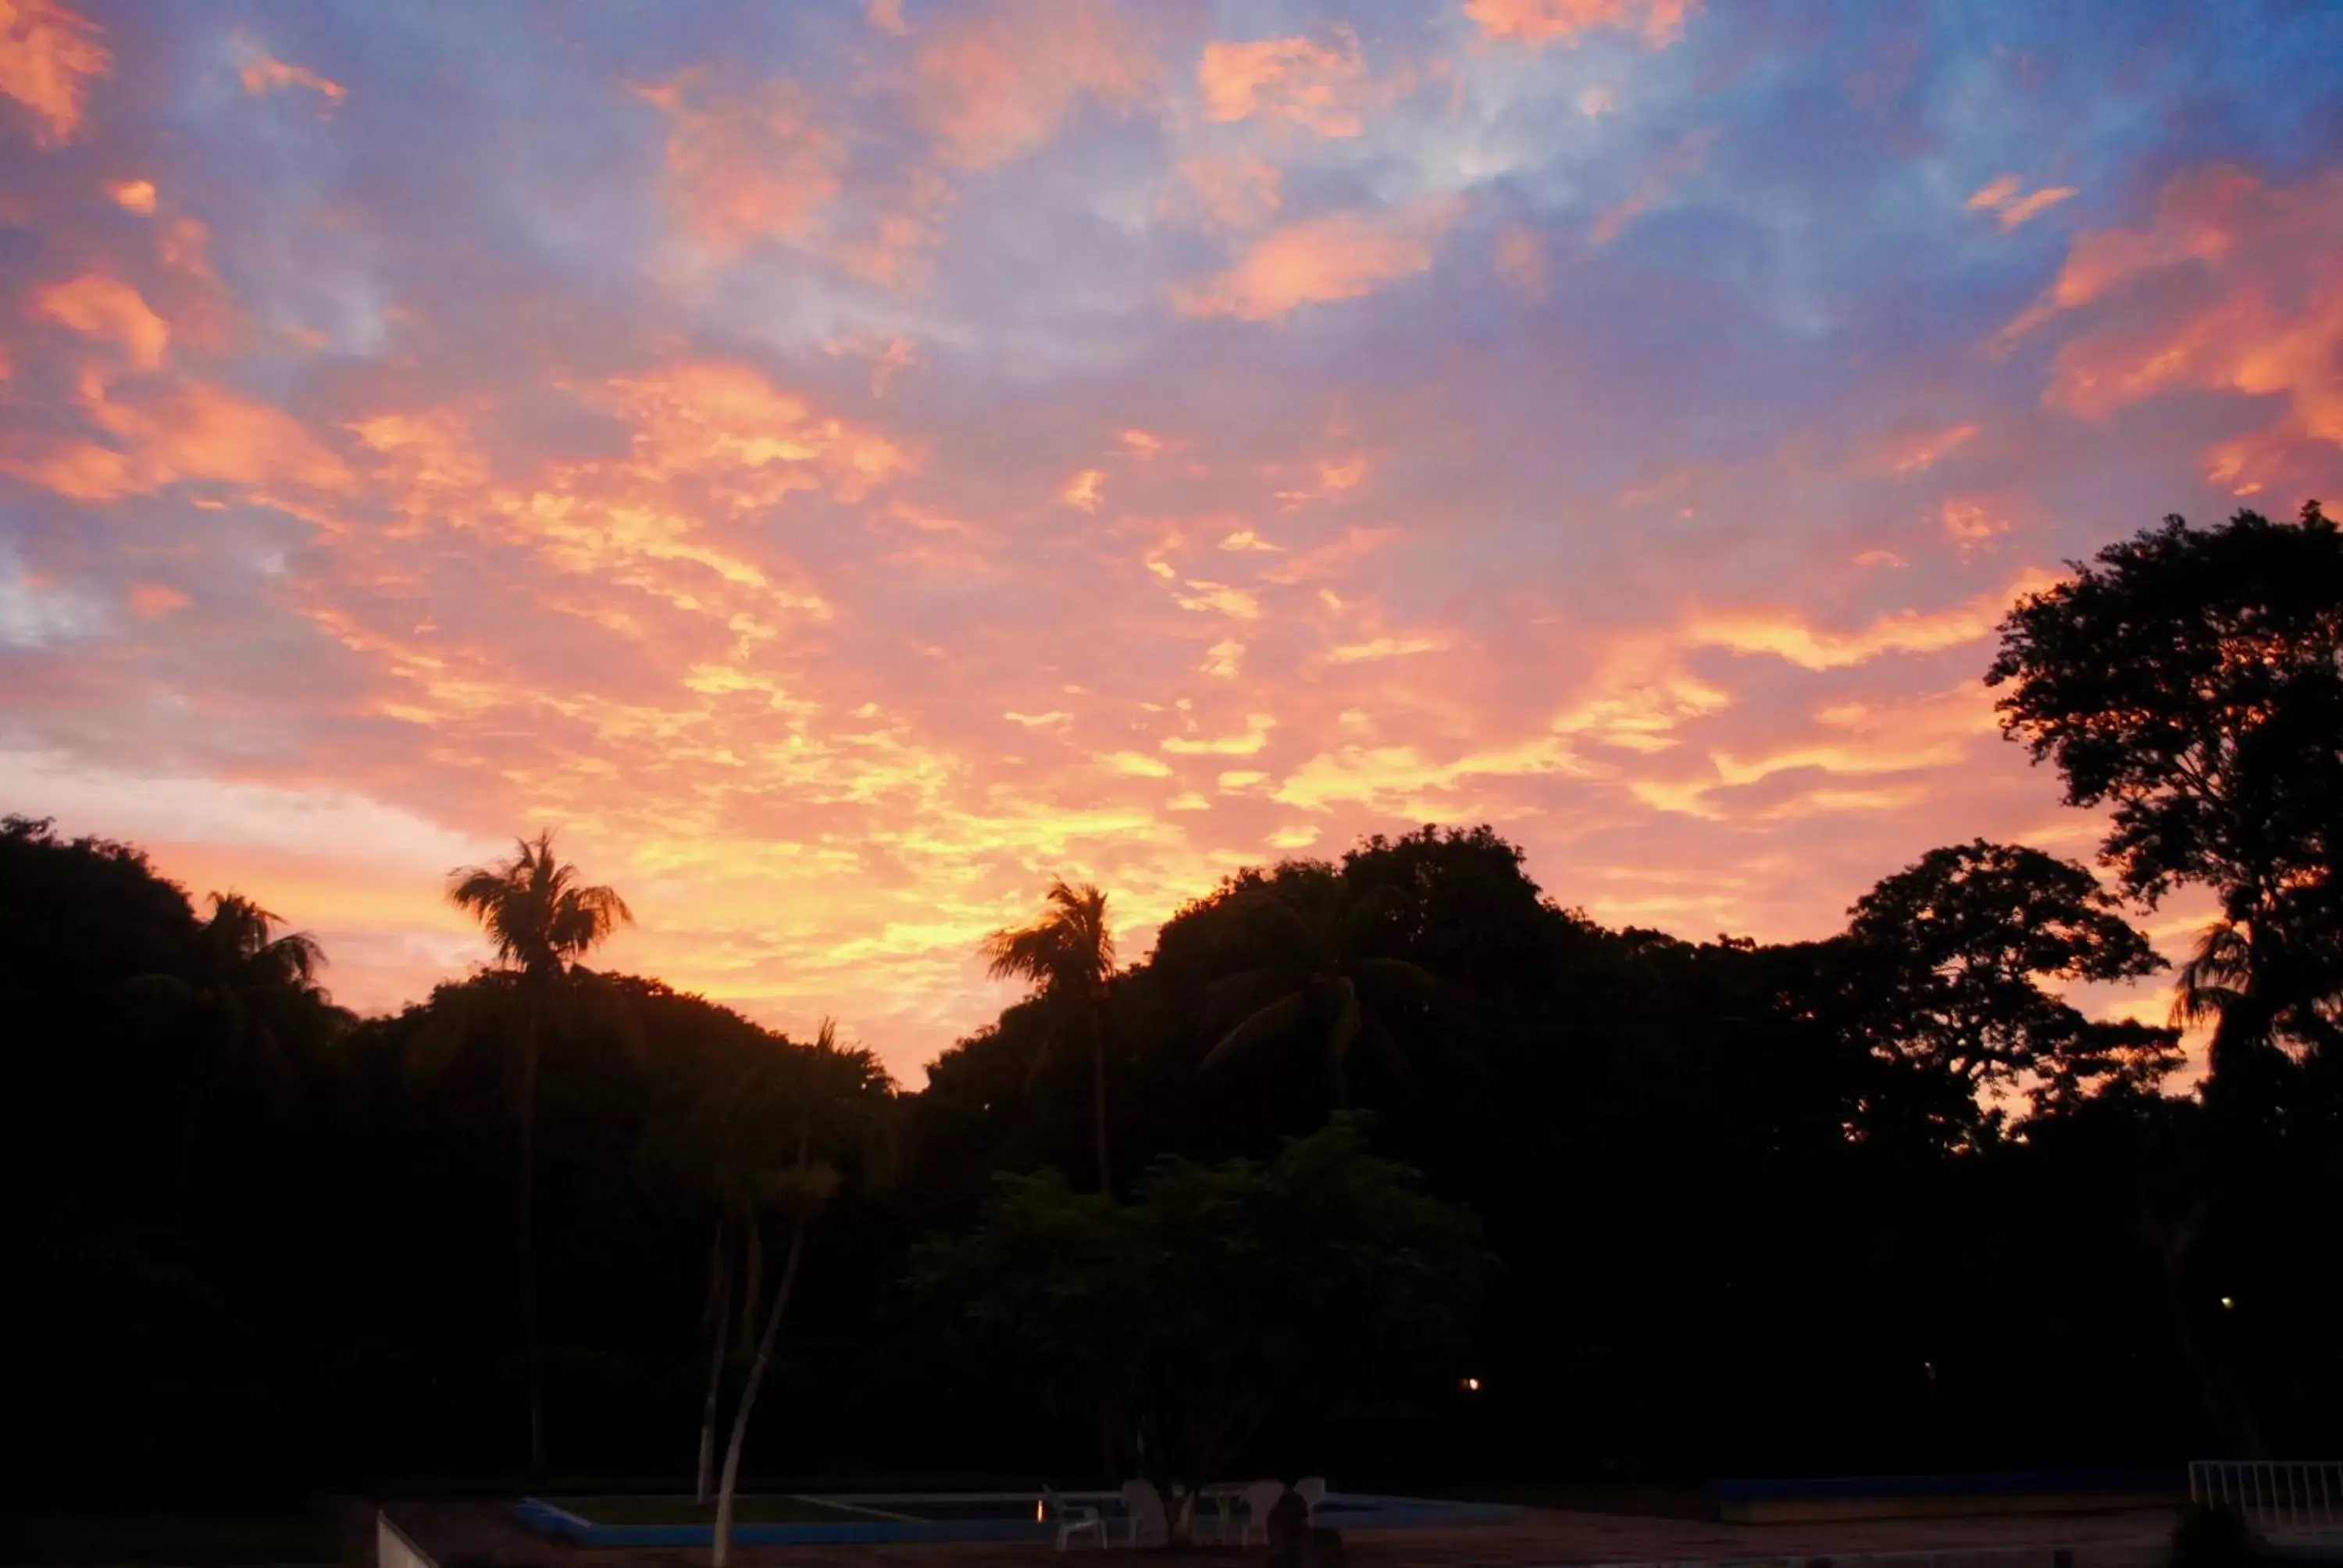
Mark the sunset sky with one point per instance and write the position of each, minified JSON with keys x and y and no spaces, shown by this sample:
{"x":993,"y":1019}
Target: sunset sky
{"x":838,"y":464}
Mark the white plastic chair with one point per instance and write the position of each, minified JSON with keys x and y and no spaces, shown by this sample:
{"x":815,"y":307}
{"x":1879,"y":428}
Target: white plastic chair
{"x":1144,"y":1505}
{"x":1259,"y":1499}
{"x":1314,"y":1493}
{"x":1074,"y":1518}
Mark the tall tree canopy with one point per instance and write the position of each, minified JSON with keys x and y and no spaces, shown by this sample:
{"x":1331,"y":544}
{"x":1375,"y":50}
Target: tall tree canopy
{"x":1946,"y":960}
{"x":2192,"y":681}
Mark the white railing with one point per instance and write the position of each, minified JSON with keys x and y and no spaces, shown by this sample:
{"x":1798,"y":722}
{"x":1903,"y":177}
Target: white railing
{"x":2272,"y":1495}
{"x":392,"y":1549}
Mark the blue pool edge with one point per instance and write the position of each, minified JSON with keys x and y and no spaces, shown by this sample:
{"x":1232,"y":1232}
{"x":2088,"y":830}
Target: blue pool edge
{"x":1380,"y":1513}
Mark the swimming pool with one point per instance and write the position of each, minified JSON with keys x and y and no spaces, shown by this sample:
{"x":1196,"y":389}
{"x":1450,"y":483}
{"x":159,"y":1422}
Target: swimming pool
{"x":876,"y":1517}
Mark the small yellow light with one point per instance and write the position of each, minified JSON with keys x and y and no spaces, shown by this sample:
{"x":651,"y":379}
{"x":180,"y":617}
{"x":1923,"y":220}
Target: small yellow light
{"x":1039,"y":1516}
{"x":2228,"y":1301}
{"x":1472,"y":1385}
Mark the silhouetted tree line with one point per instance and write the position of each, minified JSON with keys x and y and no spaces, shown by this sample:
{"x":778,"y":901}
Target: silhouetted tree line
{"x":1640,"y":1207}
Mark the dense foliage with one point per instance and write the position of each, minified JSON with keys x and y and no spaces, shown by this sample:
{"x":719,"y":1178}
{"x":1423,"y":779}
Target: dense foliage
{"x":1885,"y":1200}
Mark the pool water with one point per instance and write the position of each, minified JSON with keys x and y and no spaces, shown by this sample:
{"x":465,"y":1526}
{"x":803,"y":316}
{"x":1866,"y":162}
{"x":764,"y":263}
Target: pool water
{"x":861,"y":1518}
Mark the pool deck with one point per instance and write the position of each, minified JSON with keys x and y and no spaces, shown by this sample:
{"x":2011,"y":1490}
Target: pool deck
{"x":484,"y":1534}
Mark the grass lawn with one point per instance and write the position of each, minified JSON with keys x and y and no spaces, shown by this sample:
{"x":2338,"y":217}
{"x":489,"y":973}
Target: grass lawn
{"x":172,"y":1538}
{"x":759,"y":1509}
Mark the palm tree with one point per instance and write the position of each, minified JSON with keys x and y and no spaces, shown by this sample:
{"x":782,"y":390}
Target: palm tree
{"x":2219,"y":985}
{"x":543,"y":918}
{"x":827,"y":1105}
{"x":1316,"y":988}
{"x":1068,"y":955}
{"x":257,"y":993}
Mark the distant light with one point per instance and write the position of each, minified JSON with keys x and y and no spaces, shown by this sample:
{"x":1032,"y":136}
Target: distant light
{"x":2228,"y":1302}
{"x":1039,"y":1516}
{"x":1472,"y":1385}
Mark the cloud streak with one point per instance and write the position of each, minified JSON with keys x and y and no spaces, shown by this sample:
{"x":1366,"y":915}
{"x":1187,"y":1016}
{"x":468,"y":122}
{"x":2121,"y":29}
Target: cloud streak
{"x":839,"y":468}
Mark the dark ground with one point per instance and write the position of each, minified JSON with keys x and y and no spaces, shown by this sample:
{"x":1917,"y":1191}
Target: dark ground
{"x":477,"y":1534}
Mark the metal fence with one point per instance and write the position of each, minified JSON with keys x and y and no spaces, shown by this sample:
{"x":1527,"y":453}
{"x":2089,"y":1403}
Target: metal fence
{"x":2272,"y":1495}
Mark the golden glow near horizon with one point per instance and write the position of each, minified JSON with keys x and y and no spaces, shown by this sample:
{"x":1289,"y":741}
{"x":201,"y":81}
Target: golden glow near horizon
{"x":838,"y":468}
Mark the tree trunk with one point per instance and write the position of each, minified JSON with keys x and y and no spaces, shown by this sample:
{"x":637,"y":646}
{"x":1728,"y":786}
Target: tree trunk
{"x":1098,"y":1091}
{"x":723,"y":1545}
{"x":720,"y":1298}
{"x":526,"y":1241}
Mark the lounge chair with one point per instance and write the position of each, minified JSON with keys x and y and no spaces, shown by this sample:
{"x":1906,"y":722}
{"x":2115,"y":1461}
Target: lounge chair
{"x":1259,"y":1499}
{"x":1073,"y":1519}
{"x":1314,"y":1493}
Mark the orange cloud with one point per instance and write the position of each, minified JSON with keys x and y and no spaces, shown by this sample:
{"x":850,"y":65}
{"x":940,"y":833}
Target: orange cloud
{"x":110,"y":310}
{"x":193,"y":433}
{"x":727,"y":420}
{"x":2001,"y":197}
{"x":1236,"y":191}
{"x":995,"y":83}
{"x":887,"y":16}
{"x":265,"y":75}
{"x":1382,"y":647}
{"x":1538,"y":23}
{"x":134,"y":195}
{"x":1916,"y":452}
{"x":1521,"y":261}
{"x":2231,"y":286}
{"x":49,"y":55}
{"x":1789,"y":637}
{"x":1085,"y":490}
{"x":1320,"y":260}
{"x":1322,"y":86}
{"x":747,"y":169}
{"x":1970,"y":524}
{"x":150,"y":600}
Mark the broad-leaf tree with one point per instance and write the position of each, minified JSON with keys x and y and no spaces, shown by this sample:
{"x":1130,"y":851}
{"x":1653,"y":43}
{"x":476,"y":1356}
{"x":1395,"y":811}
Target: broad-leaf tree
{"x":543,"y":917}
{"x":2190,"y":680}
{"x":1945,"y":963}
{"x":1068,"y":956}
{"x":1219,"y":1296}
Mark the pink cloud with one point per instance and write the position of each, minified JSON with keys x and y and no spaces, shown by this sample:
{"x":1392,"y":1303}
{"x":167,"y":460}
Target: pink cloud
{"x":1226,"y":193}
{"x":2229,"y":287}
{"x":2001,"y":198}
{"x":191,"y":432}
{"x":1521,"y":261}
{"x":1322,"y":260}
{"x":1322,"y":86}
{"x":1685,"y":157}
{"x":745,"y":168}
{"x":49,"y":56}
{"x":1538,"y":23}
{"x":996,"y":83}
{"x":264,"y":75}
{"x":110,"y":310}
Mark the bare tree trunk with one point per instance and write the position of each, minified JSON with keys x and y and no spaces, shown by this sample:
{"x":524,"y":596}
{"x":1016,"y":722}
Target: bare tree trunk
{"x":527,"y":1241}
{"x":1098,"y":1091}
{"x":723,"y":1548}
{"x":719,"y":1298}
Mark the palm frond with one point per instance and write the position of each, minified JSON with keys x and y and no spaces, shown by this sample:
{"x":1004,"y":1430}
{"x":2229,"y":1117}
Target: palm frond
{"x":1279,"y":1018}
{"x":1345,"y":1030}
